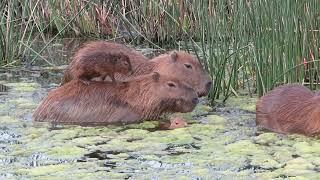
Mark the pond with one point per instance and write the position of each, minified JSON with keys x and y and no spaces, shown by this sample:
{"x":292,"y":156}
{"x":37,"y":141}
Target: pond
{"x":219,"y":142}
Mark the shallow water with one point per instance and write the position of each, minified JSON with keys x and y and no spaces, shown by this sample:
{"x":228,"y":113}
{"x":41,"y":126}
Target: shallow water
{"x":219,"y":143}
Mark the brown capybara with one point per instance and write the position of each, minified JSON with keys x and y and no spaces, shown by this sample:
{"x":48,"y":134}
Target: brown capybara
{"x":145,"y":97}
{"x":99,"y":48}
{"x":289,"y":109}
{"x":97,"y":64}
{"x":175,"y":122}
{"x":177,"y":64}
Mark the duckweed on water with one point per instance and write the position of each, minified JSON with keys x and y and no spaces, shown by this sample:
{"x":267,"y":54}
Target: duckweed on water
{"x":243,"y":103}
{"x":23,"y":86}
{"x":220,"y":144}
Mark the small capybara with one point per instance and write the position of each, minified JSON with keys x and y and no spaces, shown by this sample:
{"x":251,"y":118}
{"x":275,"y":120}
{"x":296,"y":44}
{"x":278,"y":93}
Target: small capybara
{"x":177,"y":64}
{"x":97,"y":64}
{"x":99,"y":48}
{"x":289,"y":109}
{"x":145,"y":97}
{"x":175,"y":122}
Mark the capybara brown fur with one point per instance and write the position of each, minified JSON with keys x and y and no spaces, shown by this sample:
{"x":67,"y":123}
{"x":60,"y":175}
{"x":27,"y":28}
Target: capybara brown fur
{"x":97,"y":64}
{"x":289,"y":109}
{"x":177,"y":64}
{"x":145,"y":97}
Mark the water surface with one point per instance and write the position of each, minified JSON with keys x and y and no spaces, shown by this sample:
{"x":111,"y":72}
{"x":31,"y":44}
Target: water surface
{"x":219,"y":143}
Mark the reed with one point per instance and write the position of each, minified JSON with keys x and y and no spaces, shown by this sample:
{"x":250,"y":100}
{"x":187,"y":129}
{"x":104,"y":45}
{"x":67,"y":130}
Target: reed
{"x":252,"y":45}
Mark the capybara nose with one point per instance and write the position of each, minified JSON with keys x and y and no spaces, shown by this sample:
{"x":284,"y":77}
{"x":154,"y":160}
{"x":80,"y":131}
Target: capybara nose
{"x":195,"y":100}
{"x":208,"y":85}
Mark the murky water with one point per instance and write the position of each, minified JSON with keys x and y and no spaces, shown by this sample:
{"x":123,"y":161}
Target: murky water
{"x":219,"y":143}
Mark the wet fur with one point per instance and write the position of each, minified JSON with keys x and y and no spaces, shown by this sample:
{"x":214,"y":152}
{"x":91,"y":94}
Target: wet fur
{"x":289,"y":109}
{"x":97,"y":64}
{"x":139,"y":99}
{"x":171,"y":64}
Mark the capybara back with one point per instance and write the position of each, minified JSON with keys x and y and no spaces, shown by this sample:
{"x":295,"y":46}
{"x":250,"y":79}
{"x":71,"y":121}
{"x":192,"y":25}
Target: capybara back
{"x":289,"y":109}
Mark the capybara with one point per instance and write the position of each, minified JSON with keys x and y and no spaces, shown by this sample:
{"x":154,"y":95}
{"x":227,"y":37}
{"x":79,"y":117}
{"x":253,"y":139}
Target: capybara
{"x":97,"y":64}
{"x":145,"y":97}
{"x":174,"y":123}
{"x":177,"y":64}
{"x":98,"y":48}
{"x":289,"y":109}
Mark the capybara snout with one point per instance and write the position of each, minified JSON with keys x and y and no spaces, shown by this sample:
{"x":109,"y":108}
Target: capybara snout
{"x":182,"y":93}
{"x":124,"y":64}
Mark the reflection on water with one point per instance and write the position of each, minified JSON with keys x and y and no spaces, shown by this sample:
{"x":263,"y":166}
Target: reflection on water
{"x":219,"y":144}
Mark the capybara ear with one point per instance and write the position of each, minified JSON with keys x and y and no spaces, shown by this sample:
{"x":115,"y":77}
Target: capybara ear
{"x":174,"y":56}
{"x":156,"y":76}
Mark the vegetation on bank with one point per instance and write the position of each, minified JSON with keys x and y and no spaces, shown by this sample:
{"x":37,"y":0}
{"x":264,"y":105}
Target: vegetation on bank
{"x":252,"y":45}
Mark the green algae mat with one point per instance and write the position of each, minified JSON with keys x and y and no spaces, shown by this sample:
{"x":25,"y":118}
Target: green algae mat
{"x":218,"y":143}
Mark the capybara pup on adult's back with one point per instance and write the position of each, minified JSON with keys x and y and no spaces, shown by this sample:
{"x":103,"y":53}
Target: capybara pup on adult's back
{"x":176,"y":64}
{"x":145,"y":97}
{"x":289,"y":109}
{"x":97,"y":64}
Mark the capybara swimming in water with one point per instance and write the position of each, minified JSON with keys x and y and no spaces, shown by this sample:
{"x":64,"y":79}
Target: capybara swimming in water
{"x":177,"y":64}
{"x":97,"y":64}
{"x":289,"y":109}
{"x":145,"y":97}
{"x":174,"y":123}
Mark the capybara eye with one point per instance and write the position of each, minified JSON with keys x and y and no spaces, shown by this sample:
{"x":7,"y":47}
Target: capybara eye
{"x":188,"y":66}
{"x":171,"y":84}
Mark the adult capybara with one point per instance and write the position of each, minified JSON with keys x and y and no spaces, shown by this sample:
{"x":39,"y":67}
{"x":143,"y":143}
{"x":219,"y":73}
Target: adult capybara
{"x":289,"y":109}
{"x":145,"y":97}
{"x":97,"y":64}
{"x":179,"y":64}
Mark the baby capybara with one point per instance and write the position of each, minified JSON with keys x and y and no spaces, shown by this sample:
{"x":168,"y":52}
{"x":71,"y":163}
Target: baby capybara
{"x":176,"y":64}
{"x":289,"y":109}
{"x":145,"y":97}
{"x":97,"y":64}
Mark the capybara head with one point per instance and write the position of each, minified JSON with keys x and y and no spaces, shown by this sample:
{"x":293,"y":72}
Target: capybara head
{"x":180,"y":96}
{"x":123,"y":64}
{"x":175,"y":122}
{"x":186,"y":68}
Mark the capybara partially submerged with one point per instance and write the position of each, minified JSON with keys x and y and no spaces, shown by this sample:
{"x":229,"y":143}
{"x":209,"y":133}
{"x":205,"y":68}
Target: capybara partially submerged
{"x":177,"y":64}
{"x":97,"y":64}
{"x":174,"y":123}
{"x":145,"y":97}
{"x":289,"y":109}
